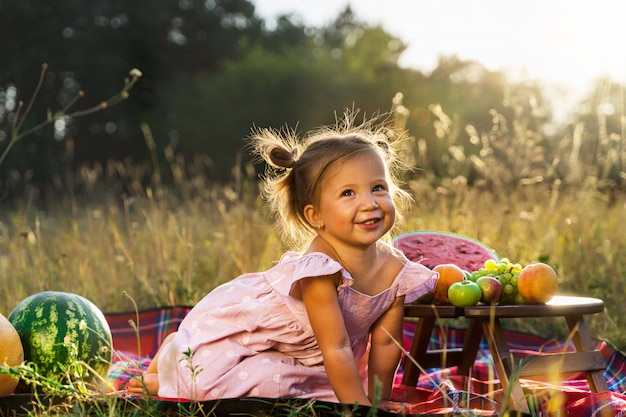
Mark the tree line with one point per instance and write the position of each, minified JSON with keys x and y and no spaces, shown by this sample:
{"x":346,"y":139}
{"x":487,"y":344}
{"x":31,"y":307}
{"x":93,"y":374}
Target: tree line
{"x":212,"y":69}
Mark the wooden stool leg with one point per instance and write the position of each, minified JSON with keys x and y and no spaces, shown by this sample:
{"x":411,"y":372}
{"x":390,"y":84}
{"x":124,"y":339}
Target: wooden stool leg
{"x":419,"y":347}
{"x":583,"y":343}
{"x":470,"y":347}
{"x":502,"y":361}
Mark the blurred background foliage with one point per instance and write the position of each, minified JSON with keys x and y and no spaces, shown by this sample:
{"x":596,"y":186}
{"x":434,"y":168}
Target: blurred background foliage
{"x":146,"y":196}
{"x":212,"y":69}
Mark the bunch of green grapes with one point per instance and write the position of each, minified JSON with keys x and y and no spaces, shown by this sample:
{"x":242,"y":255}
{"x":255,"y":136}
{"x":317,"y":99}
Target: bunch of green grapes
{"x":507,"y":273}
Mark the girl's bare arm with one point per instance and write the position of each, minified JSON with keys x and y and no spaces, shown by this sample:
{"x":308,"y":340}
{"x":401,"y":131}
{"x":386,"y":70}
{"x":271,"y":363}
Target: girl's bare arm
{"x":384,"y":350}
{"x":320,"y":298}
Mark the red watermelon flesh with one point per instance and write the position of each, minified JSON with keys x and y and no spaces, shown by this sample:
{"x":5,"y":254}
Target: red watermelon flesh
{"x":432,"y":248}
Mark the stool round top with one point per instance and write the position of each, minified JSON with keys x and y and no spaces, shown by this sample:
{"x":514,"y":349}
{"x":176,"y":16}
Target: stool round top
{"x":559,"y":305}
{"x":438,"y":311}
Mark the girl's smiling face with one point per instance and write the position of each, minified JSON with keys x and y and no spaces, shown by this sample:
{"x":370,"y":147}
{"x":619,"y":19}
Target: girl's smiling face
{"x":355,"y":204}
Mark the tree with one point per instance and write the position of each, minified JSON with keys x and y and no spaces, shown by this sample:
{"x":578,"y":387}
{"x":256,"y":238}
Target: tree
{"x":90,"y":46}
{"x":298,"y":84}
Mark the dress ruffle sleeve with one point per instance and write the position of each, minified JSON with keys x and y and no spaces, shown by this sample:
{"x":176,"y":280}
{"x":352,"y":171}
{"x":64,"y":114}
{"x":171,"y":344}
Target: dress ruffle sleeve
{"x":416,"y":281}
{"x":294,"y":266}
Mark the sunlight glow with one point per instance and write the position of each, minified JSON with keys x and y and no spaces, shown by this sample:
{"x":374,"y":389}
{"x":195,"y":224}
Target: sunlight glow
{"x":563,"y":42}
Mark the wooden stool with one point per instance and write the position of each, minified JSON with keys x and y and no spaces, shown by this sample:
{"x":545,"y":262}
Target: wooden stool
{"x":486,"y":320}
{"x":434,"y":247}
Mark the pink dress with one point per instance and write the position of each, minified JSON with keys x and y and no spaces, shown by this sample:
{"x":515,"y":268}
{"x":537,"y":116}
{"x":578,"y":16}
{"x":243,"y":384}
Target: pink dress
{"x":250,"y":338}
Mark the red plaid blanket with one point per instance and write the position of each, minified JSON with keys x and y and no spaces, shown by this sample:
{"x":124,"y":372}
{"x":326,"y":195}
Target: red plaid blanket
{"x":140,"y":334}
{"x":137,"y":336}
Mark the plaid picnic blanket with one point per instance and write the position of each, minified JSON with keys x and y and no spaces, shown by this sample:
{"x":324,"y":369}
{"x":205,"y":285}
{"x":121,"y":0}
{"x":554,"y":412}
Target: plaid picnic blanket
{"x":137,"y":337}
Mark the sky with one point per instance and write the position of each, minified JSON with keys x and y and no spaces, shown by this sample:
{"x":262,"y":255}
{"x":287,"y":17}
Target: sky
{"x":565,"y":44}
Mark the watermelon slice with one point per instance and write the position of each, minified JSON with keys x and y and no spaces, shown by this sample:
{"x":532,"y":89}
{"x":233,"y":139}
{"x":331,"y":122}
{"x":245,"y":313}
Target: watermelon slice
{"x":431,"y":248}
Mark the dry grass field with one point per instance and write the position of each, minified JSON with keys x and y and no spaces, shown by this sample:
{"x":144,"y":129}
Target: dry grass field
{"x":145,"y":244}
{"x":168,"y":246}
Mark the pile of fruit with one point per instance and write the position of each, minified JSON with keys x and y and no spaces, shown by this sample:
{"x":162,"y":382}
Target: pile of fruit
{"x":496,"y":282}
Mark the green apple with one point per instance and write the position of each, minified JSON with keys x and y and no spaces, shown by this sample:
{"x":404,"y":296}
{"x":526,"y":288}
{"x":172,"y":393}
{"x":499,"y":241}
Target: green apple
{"x":464,"y":293}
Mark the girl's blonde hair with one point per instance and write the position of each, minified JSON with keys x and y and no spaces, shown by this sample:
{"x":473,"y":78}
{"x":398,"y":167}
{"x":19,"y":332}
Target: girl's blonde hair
{"x":296,"y":167}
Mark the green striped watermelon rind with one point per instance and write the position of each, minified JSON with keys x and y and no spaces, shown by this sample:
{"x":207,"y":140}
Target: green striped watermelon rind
{"x":59,"y":332}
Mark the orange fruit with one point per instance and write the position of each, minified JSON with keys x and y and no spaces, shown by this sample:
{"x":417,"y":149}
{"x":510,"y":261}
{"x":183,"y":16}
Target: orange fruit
{"x":537,"y":283}
{"x":11,"y":354}
{"x":448,"y":275}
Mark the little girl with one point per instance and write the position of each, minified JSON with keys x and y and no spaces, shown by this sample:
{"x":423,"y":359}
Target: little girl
{"x":325,"y":321}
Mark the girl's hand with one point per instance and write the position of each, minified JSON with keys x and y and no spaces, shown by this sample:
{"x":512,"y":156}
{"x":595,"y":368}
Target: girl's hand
{"x":394,"y":406}
{"x":148,"y":383}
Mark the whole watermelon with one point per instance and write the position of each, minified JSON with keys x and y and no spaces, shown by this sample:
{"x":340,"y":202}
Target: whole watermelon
{"x":60,"y":332}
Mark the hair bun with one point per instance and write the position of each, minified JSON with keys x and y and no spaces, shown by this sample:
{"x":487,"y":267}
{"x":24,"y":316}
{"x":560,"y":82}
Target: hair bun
{"x":282,"y":158}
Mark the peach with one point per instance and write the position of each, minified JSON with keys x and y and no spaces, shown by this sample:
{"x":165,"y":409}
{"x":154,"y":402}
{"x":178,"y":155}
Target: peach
{"x":537,"y":283}
{"x":448,"y":275}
